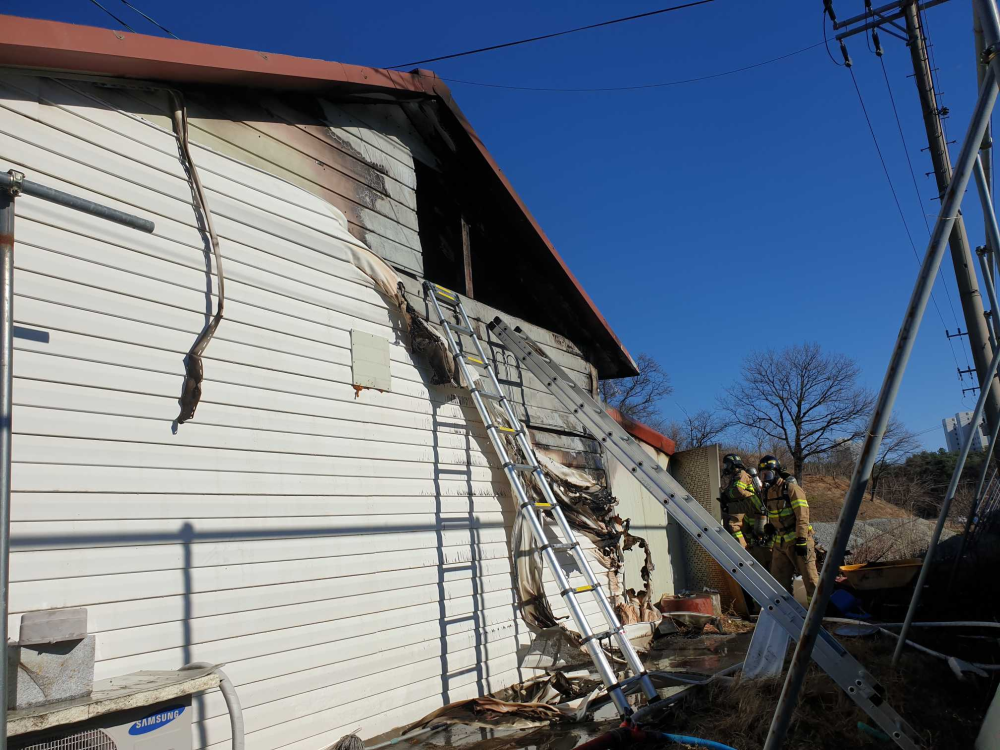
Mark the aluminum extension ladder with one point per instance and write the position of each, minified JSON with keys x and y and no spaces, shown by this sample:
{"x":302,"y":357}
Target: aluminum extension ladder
{"x":516,"y":473}
{"x":776,"y":603}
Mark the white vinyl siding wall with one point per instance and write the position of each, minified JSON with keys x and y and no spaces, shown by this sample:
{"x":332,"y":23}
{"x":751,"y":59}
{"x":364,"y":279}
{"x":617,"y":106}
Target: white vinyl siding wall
{"x":345,"y":555}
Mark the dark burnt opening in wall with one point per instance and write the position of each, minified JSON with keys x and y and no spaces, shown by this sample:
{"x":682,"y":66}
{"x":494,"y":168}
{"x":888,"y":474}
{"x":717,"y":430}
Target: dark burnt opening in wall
{"x":439,"y":218}
{"x":499,"y":274}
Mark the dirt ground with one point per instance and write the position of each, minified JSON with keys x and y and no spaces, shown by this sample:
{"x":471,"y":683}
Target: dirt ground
{"x":946,"y":712}
{"x":826,"y":498}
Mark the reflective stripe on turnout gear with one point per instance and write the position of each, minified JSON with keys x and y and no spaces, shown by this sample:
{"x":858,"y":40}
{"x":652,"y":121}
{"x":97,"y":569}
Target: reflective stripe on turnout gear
{"x":790,"y":536}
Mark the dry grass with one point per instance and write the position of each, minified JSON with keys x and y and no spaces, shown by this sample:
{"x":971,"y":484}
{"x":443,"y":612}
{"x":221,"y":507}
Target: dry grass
{"x":826,"y":498}
{"x":947,"y":713}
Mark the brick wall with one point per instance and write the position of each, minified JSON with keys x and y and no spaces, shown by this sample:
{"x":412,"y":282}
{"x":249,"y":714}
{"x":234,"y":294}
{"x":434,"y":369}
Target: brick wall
{"x":698,"y":471}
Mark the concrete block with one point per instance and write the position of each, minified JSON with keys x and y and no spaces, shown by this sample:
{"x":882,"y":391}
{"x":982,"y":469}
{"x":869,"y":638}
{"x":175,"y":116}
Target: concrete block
{"x":50,"y":672}
{"x":53,"y":626}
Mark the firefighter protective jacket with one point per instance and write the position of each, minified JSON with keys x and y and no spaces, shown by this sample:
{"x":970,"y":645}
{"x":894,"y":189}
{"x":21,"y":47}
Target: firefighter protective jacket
{"x":787,"y":510}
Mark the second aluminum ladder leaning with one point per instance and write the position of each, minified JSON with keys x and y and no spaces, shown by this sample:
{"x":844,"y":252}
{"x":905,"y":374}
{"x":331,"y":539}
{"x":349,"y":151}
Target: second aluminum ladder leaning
{"x":517,"y":473}
{"x":777,"y":605}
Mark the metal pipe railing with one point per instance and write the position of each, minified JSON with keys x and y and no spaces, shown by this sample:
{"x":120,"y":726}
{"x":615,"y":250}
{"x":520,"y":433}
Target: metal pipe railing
{"x":950,"y":204}
{"x":12,"y":185}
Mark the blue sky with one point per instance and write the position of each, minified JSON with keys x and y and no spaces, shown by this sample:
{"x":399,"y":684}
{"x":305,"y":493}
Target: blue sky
{"x":704,"y":219}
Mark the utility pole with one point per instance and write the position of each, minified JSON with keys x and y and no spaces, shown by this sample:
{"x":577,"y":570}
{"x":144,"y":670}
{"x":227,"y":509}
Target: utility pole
{"x":985,"y":151}
{"x":961,"y":254}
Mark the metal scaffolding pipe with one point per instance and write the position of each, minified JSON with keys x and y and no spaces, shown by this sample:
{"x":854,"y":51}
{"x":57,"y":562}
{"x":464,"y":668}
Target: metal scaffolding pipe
{"x":993,"y":234}
{"x":950,"y":204}
{"x":13,"y":180}
{"x":12,"y":185}
{"x":977,"y":417}
{"x":989,"y":216}
{"x":6,"y":388}
{"x":977,"y":499}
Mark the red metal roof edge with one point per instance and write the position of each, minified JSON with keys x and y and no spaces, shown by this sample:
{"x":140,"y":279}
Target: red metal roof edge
{"x":643,"y":432}
{"x":53,"y":45}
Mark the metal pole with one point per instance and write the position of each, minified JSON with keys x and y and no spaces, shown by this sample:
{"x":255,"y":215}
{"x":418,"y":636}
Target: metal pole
{"x":993,"y":235}
{"x":977,"y":499}
{"x":949,"y":496}
{"x":9,"y":179}
{"x":6,"y":386}
{"x":880,"y":417}
{"x":961,"y":253}
{"x":986,"y":147}
{"x":990,"y":219}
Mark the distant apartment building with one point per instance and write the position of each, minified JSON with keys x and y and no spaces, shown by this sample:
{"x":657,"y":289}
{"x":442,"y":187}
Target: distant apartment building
{"x":957,"y":428}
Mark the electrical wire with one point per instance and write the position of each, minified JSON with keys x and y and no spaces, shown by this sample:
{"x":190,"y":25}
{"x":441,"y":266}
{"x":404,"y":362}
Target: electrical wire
{"x":895,"y":196}
{"x":553,"y":35}
{"x":120,"y":21}
{"x":826,"y":44}
{"x":152,"y":21}
{"x":627,"y":88}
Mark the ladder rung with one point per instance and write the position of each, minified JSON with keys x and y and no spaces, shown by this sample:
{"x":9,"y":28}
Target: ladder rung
{"x":460,"y":329}
{"x":623,"y":684}
{"x":600,"y":636}
{"x":519,"y":467}
{"x":443,"y":291}
{"x":559,"y":546}
{"x":487,"y":394}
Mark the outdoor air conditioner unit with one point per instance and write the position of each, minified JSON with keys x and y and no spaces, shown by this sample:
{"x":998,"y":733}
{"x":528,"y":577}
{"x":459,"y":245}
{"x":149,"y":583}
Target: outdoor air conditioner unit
{"x":161,"y":726}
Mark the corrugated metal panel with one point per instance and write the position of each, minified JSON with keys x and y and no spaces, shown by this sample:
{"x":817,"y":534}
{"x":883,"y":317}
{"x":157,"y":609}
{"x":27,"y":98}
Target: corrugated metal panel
{"x":345,"y":554}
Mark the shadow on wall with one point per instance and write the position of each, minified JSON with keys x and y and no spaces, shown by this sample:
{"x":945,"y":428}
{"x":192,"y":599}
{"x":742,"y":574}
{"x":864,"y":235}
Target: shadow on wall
{"x":188,"y":536}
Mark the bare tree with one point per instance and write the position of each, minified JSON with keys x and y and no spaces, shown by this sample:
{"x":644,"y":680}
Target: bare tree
{"x":697,"y":430}
{"x":638,"y":397}
{"x":897,"y":444}
{"x":807,"y":400}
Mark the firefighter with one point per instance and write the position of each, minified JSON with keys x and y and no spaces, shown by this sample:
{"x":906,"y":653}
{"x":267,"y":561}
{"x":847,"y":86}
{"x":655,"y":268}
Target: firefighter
{"x":740,"y":504}
{"x":794,"y":549}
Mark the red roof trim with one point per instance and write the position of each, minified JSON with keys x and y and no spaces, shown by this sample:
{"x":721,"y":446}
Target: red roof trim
{"x":643,"y":432}
{"x":51,"y":45}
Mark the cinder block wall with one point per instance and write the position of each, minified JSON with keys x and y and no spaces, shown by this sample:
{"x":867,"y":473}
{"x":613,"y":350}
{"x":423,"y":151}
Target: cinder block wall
{"x":698,"y":470}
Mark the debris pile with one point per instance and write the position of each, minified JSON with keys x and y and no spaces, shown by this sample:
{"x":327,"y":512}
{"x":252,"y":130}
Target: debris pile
{"x":738,"y":713}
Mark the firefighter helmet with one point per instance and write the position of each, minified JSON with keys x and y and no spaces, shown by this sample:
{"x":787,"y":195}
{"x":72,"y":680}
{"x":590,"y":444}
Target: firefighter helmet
{"x":769,"y":463}
{"x":731,"y":462}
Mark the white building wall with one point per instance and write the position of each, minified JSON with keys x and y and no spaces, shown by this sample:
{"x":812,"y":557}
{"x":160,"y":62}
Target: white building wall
{"x":345,"y":554}
{"x":956,"y":430}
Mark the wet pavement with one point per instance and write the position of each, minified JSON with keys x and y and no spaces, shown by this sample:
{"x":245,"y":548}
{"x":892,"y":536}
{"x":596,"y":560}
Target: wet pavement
{"x":687,"y":657}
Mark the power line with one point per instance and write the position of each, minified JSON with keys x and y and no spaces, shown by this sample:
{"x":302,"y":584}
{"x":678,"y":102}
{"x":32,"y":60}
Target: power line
{"x":551,"y":36}
{"x":161,"y":28}
{"x":120,"y":21}
{"x":895,"y":197}
{"x":631,"y":88}
{"x":826,"y":44}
